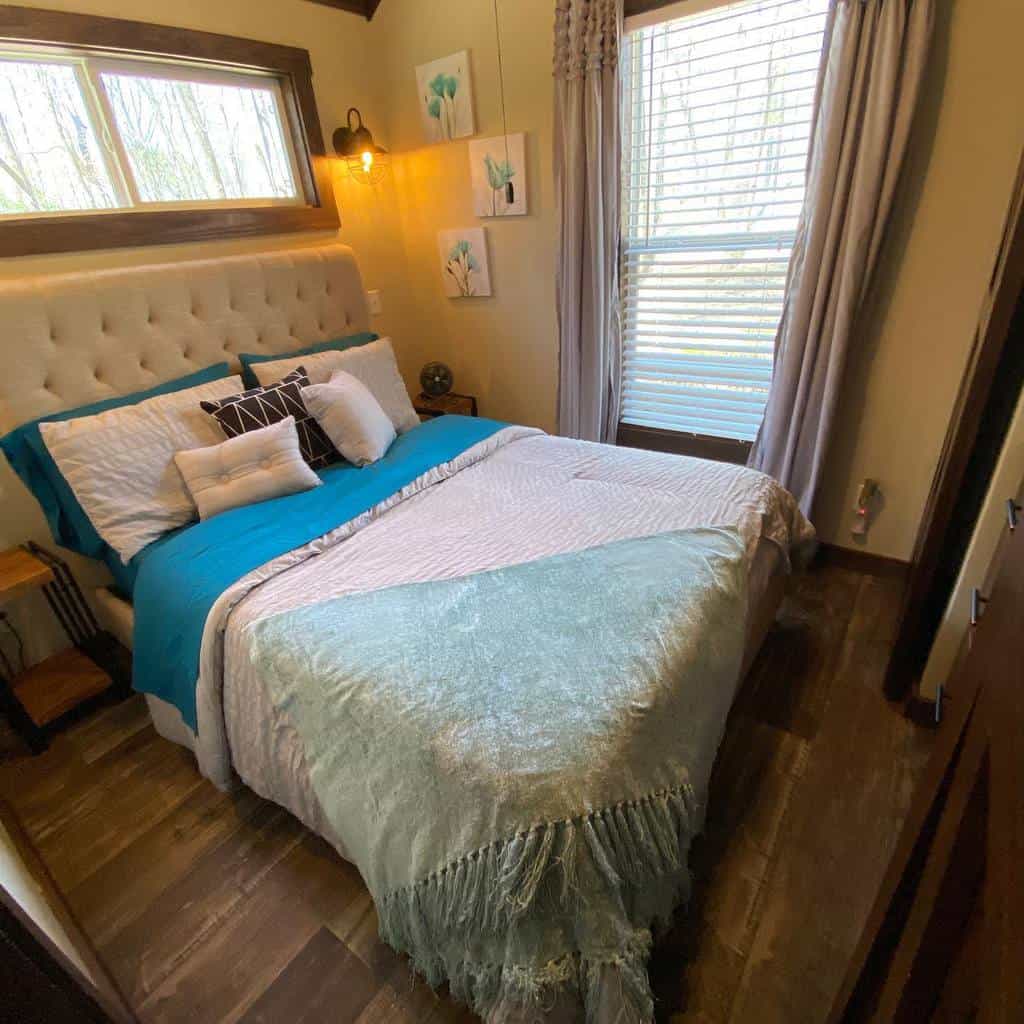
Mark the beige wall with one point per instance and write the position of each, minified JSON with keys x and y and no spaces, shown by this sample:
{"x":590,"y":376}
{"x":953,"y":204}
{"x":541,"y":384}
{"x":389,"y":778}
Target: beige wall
{"x":911,"y":347}
{"x":502,"y":349}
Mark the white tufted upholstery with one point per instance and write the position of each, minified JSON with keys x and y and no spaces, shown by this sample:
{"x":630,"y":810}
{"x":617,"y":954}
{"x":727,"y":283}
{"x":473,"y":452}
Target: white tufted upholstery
{"x":71,"y":339}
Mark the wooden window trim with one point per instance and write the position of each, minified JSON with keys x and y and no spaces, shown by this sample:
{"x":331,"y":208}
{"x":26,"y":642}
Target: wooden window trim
{"x":117,"y":37}
{"x":701,"y":446}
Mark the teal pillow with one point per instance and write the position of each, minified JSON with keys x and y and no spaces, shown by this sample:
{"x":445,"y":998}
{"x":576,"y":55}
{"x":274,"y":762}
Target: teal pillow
{"x":336,"y":345}
{"x":31,"y":460}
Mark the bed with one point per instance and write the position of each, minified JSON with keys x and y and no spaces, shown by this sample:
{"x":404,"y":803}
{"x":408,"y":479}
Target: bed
{"x":502,"y":526}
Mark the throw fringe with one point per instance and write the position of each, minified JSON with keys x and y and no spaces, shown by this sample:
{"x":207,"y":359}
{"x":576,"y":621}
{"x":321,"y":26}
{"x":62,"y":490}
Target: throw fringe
{"x":625,"y":846}
{"x":500,"y":992}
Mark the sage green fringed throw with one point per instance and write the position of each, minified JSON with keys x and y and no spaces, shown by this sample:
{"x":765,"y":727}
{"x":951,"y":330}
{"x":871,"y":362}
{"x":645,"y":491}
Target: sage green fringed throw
{"x":517,"y":760}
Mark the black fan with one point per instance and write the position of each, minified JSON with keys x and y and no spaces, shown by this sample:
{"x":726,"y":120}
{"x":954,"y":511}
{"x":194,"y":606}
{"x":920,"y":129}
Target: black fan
{"x":436,"y":379}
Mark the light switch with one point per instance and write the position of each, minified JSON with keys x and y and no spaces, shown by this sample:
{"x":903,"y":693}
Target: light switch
{"x":373,"y":300}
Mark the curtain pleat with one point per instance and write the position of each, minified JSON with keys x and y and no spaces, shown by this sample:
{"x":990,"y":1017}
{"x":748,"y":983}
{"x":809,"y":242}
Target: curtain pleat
{"x":873,"y":67}
{"x":587,"y":186}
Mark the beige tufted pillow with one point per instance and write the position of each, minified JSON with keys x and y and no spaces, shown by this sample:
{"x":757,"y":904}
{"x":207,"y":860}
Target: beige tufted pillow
{"x":243,"y":470}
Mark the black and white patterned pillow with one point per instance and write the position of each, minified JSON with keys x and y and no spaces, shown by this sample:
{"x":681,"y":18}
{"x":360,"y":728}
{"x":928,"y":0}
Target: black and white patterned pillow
{"x":261,"y":407}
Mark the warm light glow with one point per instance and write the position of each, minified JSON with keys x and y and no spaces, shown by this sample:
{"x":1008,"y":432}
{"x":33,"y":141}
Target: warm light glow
{"x":367,"y":159}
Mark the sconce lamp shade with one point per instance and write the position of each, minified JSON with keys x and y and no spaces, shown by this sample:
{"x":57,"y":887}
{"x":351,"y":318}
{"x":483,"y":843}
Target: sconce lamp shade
{"x":366,"y":161}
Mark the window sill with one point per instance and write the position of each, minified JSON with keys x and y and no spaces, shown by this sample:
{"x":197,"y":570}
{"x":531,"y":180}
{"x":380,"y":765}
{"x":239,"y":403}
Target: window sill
{"x":717,"y":449}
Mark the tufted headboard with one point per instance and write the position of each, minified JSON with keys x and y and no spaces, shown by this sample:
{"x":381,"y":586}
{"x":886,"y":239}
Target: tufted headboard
{"x":70,"y":339}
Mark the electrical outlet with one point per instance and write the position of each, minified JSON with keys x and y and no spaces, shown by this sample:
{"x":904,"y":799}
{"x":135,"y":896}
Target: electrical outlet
{"x":373,"y":300}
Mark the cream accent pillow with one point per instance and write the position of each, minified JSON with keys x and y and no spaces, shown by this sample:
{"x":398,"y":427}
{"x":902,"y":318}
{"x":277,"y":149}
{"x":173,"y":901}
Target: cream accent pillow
{"x":318,"y":367}
{"x":374,"y":364}
{"x":120,"y":463}
{"x":256,"y":466}
{"x":351,"y":417}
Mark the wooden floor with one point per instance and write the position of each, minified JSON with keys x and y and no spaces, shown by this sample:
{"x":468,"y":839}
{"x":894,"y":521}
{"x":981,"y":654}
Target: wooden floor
{"x":212,"y":908}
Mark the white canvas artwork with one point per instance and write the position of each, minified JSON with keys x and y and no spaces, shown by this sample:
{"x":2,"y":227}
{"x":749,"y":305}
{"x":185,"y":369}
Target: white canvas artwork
{"x":446,"y":98}
{"x":464,"y":263}
{"x":493,"y":165}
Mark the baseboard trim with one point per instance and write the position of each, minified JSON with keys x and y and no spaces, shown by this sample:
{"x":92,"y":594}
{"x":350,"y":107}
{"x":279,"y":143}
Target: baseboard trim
{"x":862,"y":561}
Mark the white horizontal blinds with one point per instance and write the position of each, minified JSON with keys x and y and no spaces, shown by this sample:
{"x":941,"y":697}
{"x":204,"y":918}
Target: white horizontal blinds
{"x":717,"y":112}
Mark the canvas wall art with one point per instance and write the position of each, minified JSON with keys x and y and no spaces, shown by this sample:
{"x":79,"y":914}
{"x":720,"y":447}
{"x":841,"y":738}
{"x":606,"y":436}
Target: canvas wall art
{"x":446,"y":98}
{"x":493,"y":164}
{"x":464,"y":263}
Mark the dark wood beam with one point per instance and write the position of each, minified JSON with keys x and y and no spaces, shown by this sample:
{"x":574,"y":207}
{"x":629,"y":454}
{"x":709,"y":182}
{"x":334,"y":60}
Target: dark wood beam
{"x":367,"y":8}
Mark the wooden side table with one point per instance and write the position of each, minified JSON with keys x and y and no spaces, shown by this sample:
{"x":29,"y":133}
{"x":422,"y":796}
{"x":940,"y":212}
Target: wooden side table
{"x":39,"y":699}
{"x":459,"y":405}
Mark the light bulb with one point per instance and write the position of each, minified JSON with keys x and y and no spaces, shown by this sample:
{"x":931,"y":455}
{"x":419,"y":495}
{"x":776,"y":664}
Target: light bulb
{"x":367,"y":159}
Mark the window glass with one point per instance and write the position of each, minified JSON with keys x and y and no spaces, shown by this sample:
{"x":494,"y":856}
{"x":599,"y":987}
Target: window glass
{"x":50,"y":159}
{"x":200,"y":141}
{"x":83,"y":133}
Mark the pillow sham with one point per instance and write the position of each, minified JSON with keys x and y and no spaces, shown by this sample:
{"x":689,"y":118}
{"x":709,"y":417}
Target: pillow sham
{"x":248,"y":360}
{"x":255,"y":466}
{"x":120,"y":463}
{"x":263,"y":406}
{"x":374,"y":364}
{"x":351,"y":417}
{"x":31,"y":461}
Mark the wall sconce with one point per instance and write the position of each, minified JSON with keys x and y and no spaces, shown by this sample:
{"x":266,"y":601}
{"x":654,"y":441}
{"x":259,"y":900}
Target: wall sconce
{"x":366,"y":161}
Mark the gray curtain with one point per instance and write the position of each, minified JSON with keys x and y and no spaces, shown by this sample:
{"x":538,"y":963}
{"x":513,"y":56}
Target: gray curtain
{"x":587,"y":162}
{"x":874,"y":61}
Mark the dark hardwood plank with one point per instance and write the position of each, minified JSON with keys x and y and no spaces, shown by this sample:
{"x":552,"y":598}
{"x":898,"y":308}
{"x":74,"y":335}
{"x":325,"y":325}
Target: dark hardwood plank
{"x":227,"y":972}
{"x":163,"y":938}
{"x":112,"y":897}
{"x":323,"y":981}
{"x":97,"y":813}
{"x":794,"y":674}
{"x":859,"y":782}
{"x":109,"y":727}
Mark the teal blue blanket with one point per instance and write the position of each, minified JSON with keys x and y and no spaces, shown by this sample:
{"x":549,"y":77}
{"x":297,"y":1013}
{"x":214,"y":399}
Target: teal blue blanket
{"x":517,"y":760}
{"x":182,"y":575}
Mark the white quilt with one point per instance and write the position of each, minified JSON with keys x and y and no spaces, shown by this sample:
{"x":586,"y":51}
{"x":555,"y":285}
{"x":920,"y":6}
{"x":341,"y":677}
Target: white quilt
{"x":518,"y":496}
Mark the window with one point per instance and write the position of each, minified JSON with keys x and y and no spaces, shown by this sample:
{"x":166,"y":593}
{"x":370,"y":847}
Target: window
{"x":717,"y":119}
{"x":82,"y":134}
{"x":118,"y":133}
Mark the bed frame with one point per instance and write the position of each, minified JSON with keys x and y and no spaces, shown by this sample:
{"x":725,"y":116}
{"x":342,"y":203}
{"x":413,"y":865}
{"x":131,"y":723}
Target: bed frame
{"x":72,"y":339}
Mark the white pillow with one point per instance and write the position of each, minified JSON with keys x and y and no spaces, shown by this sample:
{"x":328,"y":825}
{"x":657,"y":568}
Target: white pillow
{"x":373,"y":364}
{"x":243,"y":470}
{"x":351,"y":417}
{"x":120,"y":463}
{"x":318,"y":367}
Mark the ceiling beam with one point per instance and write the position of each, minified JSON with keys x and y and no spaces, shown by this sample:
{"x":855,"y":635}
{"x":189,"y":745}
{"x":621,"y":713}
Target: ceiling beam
{"x":366,"y":8}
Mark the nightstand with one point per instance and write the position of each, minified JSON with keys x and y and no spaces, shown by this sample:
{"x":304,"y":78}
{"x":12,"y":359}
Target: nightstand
{"x":39,"y":699}
{"x":459,"y":405}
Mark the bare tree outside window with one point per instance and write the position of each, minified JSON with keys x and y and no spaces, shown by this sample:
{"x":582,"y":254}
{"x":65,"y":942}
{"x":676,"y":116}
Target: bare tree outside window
{"x":200,"y":142}
{"x":78,"y":134}
{"x":50,"y":160}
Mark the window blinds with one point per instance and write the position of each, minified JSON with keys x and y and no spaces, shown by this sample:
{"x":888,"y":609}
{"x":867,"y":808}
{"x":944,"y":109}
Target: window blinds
{"x":717,"y":111}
